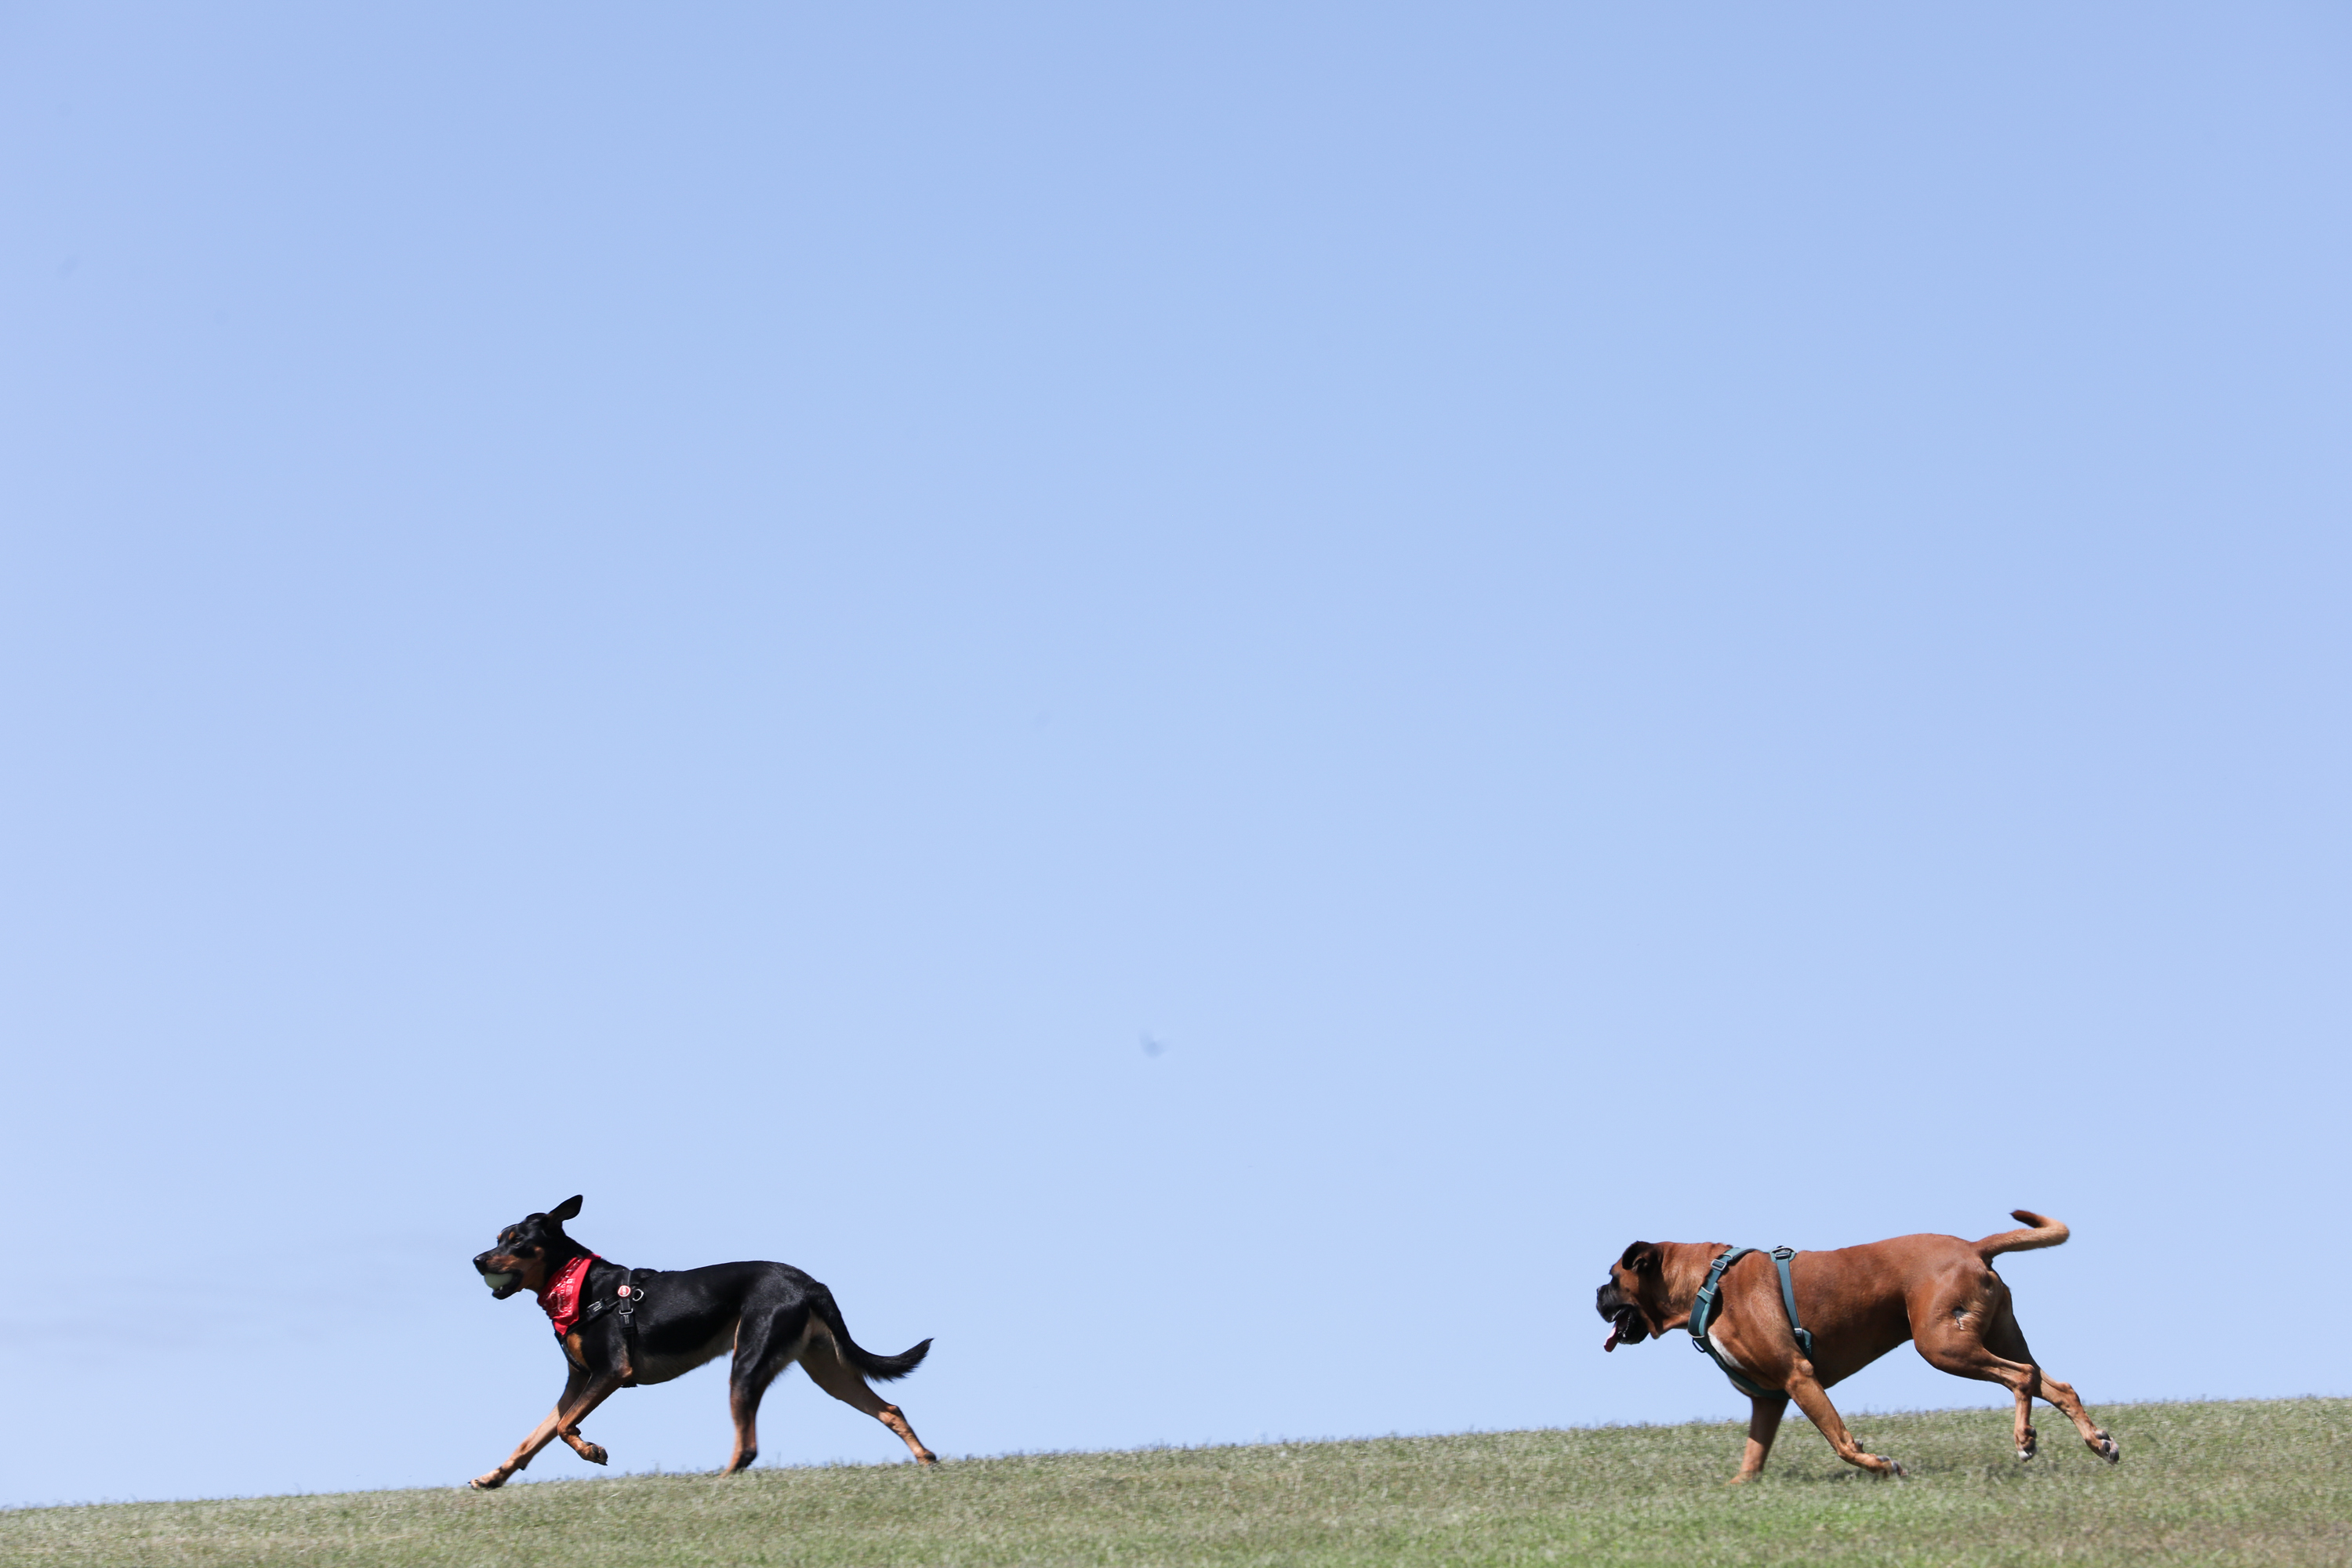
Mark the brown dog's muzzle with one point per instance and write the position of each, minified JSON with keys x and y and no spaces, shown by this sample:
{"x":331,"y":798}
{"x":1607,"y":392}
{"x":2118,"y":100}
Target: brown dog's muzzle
{"x":1626,"y":1325}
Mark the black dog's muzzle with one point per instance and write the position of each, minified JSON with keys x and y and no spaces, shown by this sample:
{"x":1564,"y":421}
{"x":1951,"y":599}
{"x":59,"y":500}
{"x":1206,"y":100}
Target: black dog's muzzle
{"x":502,"y":1282}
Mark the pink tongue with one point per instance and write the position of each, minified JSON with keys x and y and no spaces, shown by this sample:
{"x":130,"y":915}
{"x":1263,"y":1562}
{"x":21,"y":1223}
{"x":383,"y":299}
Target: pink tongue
{"x":1611,"y":1342}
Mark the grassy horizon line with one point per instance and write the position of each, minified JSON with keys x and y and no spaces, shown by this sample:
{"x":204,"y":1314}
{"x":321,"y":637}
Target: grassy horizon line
{"x":1795,"y":1425}
{"x":2252,"y":1481}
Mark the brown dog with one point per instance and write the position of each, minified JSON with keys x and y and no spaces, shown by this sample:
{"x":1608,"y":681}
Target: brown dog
{"x":1857,"y":1303}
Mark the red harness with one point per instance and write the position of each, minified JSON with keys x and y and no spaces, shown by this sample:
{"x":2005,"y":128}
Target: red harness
{"x":559,"y":1296}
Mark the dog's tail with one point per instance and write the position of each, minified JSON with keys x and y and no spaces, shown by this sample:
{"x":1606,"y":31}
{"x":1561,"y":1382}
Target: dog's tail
{"x":2046,"y":1232}
{"x":880,"y":1368}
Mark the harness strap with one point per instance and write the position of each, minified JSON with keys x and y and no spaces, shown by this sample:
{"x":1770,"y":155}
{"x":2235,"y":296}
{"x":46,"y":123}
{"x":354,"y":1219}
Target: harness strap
{"x":622,"y":1304}
{"x":632,"y":1297}
{"x":1780,"y":1255}
{"x":1703,"y":1311}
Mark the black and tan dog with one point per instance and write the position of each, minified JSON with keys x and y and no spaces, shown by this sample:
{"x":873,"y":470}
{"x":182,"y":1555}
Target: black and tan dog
{"x":1857,"y":1303}
{"x":621,"y":1327}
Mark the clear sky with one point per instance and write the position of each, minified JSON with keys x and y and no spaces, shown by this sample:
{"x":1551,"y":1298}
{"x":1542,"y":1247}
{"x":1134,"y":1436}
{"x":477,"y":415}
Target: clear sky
{"x":1199,"y":697}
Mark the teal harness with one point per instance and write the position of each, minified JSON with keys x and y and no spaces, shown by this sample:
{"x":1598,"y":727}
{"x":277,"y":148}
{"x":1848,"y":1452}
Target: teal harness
{"x":1703,"y":1309}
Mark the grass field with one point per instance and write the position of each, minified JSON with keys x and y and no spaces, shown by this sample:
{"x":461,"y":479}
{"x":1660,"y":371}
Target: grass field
{"x":2247,"y":1482}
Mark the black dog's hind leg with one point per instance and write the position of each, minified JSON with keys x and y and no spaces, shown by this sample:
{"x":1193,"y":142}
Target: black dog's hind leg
{"x":765,"y":1344}
{"x":831,"y":1371}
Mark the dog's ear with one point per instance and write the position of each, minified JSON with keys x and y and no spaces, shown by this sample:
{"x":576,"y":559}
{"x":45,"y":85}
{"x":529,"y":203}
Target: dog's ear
{"x":568,"y":1209}
{"x":1640,"y":1256}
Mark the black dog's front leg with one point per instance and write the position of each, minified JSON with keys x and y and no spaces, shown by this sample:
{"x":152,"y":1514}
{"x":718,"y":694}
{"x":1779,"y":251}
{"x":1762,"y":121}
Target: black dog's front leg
{"x":541,"y":1435}
{"x":600,"y":1387}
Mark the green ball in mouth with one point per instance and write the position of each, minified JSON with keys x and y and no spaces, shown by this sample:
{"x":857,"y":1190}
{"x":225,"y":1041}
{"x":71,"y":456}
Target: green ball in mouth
{"x":498,"y":1281}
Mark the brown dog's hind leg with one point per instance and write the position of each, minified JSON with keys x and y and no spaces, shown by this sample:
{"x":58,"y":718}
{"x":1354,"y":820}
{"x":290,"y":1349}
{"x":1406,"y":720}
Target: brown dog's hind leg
{"x":1961,"y":1324}
{"x":1951,"y":1345}
{"x":1763,"y":1425}
{"x":2003,"y":1335}
{"x":1815,"y":1400}
{"x":2095,"y":1437}
{"x":1971,"y":1332}
{"x":831,"y":1371}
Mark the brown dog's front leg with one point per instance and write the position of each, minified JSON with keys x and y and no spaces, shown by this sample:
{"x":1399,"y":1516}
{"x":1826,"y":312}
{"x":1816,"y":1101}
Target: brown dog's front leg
{"x":1763,"y":1425}
{"x":1815,"y":1400}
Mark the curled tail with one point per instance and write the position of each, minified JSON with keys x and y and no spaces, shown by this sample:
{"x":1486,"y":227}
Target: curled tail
{"x":2046,"y":1232}
{"x":880,"y":1368}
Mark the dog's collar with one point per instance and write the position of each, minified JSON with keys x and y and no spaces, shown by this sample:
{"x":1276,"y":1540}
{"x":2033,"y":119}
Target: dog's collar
{"x":1703,"y":1309}
{"x":559,"y":1296}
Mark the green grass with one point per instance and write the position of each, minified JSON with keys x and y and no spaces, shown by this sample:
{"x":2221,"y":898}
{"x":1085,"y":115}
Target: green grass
{"x":2246,"y":1482}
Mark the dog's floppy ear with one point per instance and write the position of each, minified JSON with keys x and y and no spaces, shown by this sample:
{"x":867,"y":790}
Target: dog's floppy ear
{"x":568,"y":1209}
{"x":1638,"y":1257}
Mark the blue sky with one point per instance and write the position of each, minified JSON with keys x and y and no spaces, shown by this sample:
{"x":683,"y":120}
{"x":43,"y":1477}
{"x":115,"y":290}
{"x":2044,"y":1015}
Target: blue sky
{"x":1724,"y":625}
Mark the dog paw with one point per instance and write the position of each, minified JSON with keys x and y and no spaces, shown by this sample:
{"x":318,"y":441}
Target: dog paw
{"x":2030,"y":1447}
{"x":488,"y":1483}
{"x":2108,"y":1448}
{"x":593,"y":1454}
{"x":1894,"y":1470}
